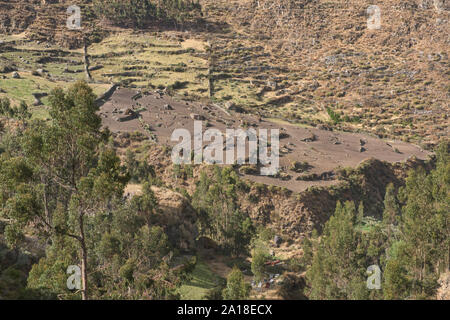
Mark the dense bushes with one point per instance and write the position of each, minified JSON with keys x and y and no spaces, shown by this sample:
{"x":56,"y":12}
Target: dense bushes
{"x":216,"y":200}
{"x":63,"y":183}
{"x":139,"y":13}
{"x":410,"y":244}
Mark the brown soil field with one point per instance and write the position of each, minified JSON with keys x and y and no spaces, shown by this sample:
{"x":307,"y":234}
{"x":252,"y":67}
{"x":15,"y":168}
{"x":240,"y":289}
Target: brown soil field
{"x":323,"y":150}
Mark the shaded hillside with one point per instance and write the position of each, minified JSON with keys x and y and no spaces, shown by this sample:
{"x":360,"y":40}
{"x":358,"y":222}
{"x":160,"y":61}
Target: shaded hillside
{"x":296,"y":215}
{"x":291,"y":214}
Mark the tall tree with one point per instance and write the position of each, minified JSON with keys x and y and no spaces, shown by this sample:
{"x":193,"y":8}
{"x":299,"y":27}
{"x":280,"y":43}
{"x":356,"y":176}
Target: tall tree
{"x":63,"y":170}
{"x":425,"y":224}
{"x":237,"y":288}
{"x":217,"y":202}
{"x":335,"y":273}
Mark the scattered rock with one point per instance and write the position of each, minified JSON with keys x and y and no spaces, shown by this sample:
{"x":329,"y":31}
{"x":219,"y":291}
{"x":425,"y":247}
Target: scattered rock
{"x":324,"y":127}
{"x":37,"y":98}
{"x":277,"y":240}
{"x":312,"y":137}
{"x":195,"y":116}
{"x":272,"y":85}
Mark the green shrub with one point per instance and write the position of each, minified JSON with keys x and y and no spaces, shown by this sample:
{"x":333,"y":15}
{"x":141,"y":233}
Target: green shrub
{"x":139,"y":13}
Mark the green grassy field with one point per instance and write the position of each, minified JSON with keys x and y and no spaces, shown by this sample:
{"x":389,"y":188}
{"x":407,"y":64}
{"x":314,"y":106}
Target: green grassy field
{"x":203,"y":279}
{"x":137,"y":60}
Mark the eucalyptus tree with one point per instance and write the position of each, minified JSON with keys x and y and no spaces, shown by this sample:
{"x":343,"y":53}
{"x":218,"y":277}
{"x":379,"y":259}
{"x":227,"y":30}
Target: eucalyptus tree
{"x":62,"y":172}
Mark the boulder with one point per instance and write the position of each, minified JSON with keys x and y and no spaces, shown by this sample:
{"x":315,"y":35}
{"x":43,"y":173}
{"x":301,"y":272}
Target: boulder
{"x":195,"y":116}
{"x":230,"y":105}
{"x":37,"y":98}
{"x":310,"y":138}
{"x":272,"y":85}
{"x":277,"y":240}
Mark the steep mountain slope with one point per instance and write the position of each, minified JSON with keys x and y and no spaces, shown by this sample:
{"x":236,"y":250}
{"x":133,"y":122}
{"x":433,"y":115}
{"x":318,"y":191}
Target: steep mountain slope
{"x":307,"y":61}
{"x":391,"y":81}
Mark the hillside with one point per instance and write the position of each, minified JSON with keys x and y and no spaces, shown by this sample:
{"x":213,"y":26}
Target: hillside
{"x":392,"y":81}
{"x":358,"y":90}
{"x":286,"y":59}
{"x":306,"y":67}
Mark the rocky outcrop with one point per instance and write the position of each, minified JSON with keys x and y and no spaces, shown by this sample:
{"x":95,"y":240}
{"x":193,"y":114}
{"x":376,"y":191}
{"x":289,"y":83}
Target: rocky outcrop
{"x":296,"y":215}
{"x":178,"y":218}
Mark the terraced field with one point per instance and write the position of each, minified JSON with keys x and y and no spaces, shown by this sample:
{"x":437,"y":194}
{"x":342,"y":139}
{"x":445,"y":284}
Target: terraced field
{"x":134,"y":60}
{"x":309,"y":62}
{"x":317,"y":61}
{"x":308,"y":156}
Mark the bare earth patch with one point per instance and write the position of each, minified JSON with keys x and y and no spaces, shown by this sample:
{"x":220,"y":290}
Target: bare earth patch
{"x":158,"y":115}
